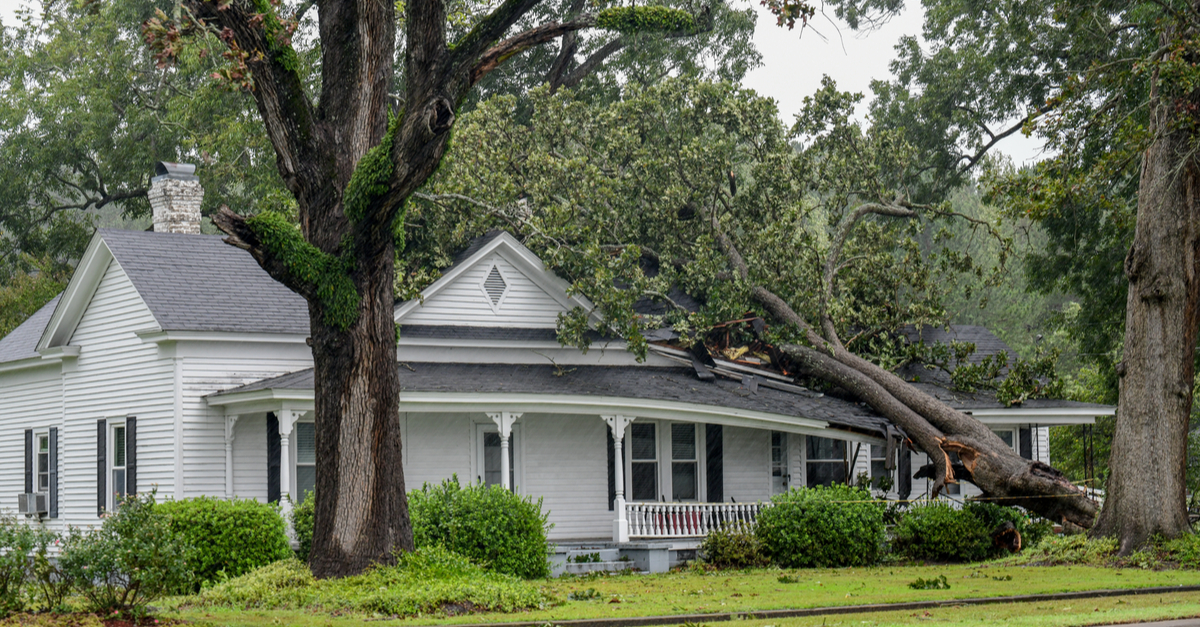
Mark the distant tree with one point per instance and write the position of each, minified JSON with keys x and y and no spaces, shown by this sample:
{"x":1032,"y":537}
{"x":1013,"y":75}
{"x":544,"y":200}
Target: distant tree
{"x":1111,"y":86}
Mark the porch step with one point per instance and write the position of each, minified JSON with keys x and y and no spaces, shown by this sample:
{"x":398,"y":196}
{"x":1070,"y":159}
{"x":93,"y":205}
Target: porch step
{"x":572,"y":568}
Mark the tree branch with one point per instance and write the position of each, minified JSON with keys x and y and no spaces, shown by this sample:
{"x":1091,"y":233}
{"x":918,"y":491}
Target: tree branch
{"x":238,"y":233}
{"x":835,"y":254}
{"x":521,"y":42}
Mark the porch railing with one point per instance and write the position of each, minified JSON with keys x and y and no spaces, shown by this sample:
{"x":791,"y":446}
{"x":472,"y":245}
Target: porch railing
{"x":686,"y":520}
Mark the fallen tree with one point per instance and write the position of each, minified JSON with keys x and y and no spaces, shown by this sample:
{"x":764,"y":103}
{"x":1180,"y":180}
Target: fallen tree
{"x":698,"y":186}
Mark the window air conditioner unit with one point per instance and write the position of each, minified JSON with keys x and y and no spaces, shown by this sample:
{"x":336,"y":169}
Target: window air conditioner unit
{"x":33,"y":503}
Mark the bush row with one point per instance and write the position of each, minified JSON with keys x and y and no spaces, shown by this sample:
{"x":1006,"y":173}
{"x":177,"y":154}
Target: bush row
{"x":490,"y":526}
{"x":845,"y":526}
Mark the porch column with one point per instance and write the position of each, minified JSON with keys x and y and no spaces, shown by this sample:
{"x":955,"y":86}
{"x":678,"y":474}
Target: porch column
{"x":504,"y":420}
{"x":287,"y":420}
{"x":230,"y":421}
{"x":621,"y":524}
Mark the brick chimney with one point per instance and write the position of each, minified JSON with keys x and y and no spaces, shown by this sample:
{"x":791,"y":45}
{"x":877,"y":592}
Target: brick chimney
{"x":175,"y":195}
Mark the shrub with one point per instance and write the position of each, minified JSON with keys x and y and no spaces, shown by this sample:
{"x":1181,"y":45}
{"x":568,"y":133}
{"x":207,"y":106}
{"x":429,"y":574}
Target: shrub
{"x":490,"y":526}
{"x":425,"y":581}
{"x":302,"y":525}
{"x":733,"y":545}
{"x":17,"y":542}
{"x":1184,"y":550}
{"x":991,"y":516}
{"x":130,"y":560}
{"x":228,"y":537}
{"x":939,"y":532}
{"x":834,"y":526}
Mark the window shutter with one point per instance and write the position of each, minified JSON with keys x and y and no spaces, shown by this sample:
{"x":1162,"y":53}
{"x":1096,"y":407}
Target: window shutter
{"x":131,"y":455}
{"x":28,"y":460}
{"x":101,"y":467}
{"x":272,"y":458}
{"x":1026,"y":444}
{"x":612,"y":470}
{"x":53,"y":461}
{"x":714,"y":463}
{"x":903,"y":472}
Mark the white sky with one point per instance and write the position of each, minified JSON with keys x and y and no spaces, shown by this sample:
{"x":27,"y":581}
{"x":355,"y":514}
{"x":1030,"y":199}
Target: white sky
{"x":793,"y":63}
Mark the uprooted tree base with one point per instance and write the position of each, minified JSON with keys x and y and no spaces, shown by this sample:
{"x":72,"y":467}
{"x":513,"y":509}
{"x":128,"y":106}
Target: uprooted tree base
{"x":933,"y":427}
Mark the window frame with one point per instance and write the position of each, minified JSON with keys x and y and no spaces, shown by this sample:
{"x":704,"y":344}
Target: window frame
{"x":665,"y":460}
{"x":871,"y":461}
{"x":844,"y":461}
{"x":38,"y":471}
{"x":298,"y":497}
{"x":784,"y":463}
{"x":111,"y":445}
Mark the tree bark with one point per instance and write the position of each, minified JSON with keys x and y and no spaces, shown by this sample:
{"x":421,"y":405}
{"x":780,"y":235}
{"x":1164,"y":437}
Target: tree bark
{"x":1146,"y":492}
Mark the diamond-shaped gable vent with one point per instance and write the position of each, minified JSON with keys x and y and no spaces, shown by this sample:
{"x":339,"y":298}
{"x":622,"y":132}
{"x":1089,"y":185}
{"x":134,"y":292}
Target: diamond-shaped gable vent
{"x":494,"y":286}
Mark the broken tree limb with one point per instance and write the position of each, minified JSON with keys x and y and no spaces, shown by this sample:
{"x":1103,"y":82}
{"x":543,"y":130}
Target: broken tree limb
{"x":935,"y":428}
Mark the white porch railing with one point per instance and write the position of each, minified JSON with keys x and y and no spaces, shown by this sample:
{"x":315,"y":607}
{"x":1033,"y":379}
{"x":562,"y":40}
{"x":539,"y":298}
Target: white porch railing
{"x":686,"y":520}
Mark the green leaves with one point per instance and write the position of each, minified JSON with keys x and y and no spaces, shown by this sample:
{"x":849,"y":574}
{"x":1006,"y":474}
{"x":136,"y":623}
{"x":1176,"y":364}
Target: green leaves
{"x":228,"y":537}
{"x":823,"y":527}
{"x":650,"y":19}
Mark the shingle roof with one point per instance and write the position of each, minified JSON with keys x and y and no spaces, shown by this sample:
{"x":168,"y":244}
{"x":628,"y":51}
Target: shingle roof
{"x":987,"y":400}
{"x":640,"y":382}
{"x":986,"y":343}
{"x":21,"y":343}
{"x":200,"y":283}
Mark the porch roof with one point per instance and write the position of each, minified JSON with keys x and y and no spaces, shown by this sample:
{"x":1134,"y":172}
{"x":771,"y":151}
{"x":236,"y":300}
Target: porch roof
{"x":652,"y":386}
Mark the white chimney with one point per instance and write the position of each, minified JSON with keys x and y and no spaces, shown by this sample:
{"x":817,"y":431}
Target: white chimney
{"x":175,"y":195}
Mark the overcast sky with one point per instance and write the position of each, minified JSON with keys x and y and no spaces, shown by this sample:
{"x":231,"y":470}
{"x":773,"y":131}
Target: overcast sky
{"x":793,"y":63}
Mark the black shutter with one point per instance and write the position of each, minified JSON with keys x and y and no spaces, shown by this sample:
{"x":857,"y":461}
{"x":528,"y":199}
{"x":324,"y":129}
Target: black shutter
{"x":101,"y":467}
{"x":272,"y":458}
{"x":714,"y":463}
{"x":131,"y":455}
{"x":1026,"y":442}
{"x":903,"y":472}
{"x":612,"y":470}
{"x":28,"y":460}
{"x":53,"y":462}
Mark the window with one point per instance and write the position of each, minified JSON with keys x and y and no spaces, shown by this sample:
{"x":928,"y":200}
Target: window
{"x":117,"y":454}
{"x":825,"y":461}
{"x":488,"y":458}
{"x":1006,"y":435}
{"x":684,"y":462}
{"x":643,"y":460}
{"x":881,"y":477}
{"x":779,"y":466}
{"x":42,"y":441}
{"x":306,"y":459}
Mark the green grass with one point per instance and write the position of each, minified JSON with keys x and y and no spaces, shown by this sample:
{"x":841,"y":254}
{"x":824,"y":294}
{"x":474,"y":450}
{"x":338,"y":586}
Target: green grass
{"x":724,"y":591}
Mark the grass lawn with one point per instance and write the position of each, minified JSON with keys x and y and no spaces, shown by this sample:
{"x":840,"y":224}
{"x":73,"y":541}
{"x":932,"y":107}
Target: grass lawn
{"x":695,"y":592}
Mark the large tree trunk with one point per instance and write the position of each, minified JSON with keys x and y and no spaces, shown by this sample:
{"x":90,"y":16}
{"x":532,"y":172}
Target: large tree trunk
{"x":1146,"y":493}
{"x":361,"y":515}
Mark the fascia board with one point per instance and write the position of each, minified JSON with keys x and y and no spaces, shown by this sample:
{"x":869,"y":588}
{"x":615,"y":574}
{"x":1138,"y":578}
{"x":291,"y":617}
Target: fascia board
{"x":155,"y":336}
{"x":1044,"y":415}
{"x":270,"y":397}
{"x":78,"y":294}
{"x":513,"y":344}
{"x":29,"y":363}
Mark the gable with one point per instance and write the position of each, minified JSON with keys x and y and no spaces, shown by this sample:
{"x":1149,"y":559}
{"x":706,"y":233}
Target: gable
{"x":498,"y":282}
{"x":492,"y":292}
{"x":114,"y":310}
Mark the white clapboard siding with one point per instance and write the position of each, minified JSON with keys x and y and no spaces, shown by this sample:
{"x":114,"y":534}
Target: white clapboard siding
{"x":437,"y":447}
{"x":29,"y":399}
{"x":464,"y":302}
{"x":116,"y":375}
{"x":565,"y":461}
{"x":204,"y":426}
{"x":250,"y":457}
{"x":747,"y":464}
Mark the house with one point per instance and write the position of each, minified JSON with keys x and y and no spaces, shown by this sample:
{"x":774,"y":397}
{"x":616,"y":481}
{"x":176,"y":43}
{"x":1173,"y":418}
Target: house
{"x":173,"y":362}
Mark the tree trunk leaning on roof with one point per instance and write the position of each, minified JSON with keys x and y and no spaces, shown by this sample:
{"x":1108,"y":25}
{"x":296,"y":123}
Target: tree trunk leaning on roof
{"x":934,"y":428}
